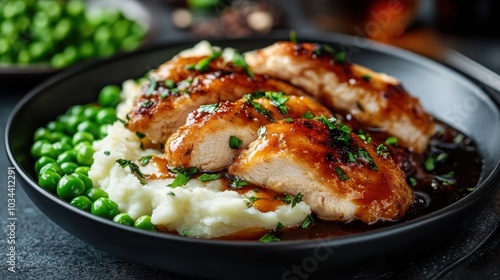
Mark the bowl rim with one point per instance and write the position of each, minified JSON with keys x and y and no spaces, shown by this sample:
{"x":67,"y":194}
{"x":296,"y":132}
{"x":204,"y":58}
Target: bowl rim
{"x":488,"y":184}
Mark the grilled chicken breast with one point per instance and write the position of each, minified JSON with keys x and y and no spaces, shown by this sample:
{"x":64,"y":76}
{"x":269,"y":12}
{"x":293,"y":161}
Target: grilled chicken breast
{"x":341,"y":177}
{"x":182,"y":84}
{"x":205,"y":140}
{"x":374,"y":99}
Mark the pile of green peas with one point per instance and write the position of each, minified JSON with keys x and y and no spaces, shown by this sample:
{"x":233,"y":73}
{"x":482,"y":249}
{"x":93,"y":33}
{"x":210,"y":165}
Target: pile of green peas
{"x":62,"y":32}
{"x":63,"y":152}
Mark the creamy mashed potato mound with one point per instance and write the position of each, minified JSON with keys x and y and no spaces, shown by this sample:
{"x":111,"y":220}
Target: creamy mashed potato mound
{"x":197,"y":209}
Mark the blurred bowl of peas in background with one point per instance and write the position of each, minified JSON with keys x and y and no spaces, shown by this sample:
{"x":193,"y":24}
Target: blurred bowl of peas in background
{"x":43,"y":37}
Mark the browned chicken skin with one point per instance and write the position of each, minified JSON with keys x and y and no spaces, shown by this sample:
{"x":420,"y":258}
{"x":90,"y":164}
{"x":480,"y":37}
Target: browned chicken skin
{"x":341,"y":177}
{"x":204,"y":141}
{"x":174,"y":91}
{"x":374,"y":99}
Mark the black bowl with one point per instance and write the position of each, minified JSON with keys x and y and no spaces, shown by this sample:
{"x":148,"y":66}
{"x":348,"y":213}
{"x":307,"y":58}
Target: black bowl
{"x":447,"y":94}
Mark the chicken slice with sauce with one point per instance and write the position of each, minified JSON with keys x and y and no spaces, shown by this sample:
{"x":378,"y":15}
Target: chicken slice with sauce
{"x":214,"y":134}
{"x":182,"y":84}
{"x":374,"y":99}
{"x":341,"y":177}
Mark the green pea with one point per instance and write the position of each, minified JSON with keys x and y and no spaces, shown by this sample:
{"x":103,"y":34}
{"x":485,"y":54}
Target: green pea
{"x":58,"y":61}
{"x":47,"y":150}
{"x":76,"y":110}
{"x":85,"y":156}
{"x":95,"y":193}
{"x":68,"y":167}
{"x":67,"y":156}
{"x":86,"y":49}
{"x":43,"y":133}
{"x":105,"y":207}
{"x":106,"y":116}
{"x":90,"y":112}
{"x":61,"y":147}
{"x":109,"y":96}
{"x":82,"y":202}
{"x":144,"y":222}
{"x":81,"y":136}
{"x":62,"y":29}
{"x":49,"y":180}
{"x":55,"y":126}
{"x":87,"y":182}
{"x":54,"y":167}
{"x":36,"y":148}
{"x":72,"y":123}
{"x":90,"y":127}
{"x":41,"y":162}
{"x":75,"y":8}
{"x":23,"y":57}
{"x":70,"y":187}
{"x":58,"y":135}
{"x":83,"y":170}
{"x":70,"y":54}
{"x":124,"y":219}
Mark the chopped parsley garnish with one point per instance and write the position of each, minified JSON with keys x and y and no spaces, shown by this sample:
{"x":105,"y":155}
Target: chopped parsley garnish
{"x":151,"y":88}
{"x":412,"y":182}
{"x":446,"y":179}
{"x":430,"y":163}
{"x":340,"y":57}
{"x":393,"y":140}
{"x":280,"y":226}
{"x":252,"y":200}
{"x":147,"y":103}
{"x":320,"y":49}
{"x":288,"y":120}
{"x":203,"y":64}
{"x":366,"y":77}
{"x":366,"y":156}
{"x":183,"y":176}
{"x":239,"y":60}
{"x":208,"y":108}
{"x":343,"y":131}
{"x":235,"y":142}
{"x":134,"y":169}
{"x":364,"y":136}
{"x":308,"y":115}
{"x":169,"y":84}
{"x":268,"y":237}
{"x":341,"y":174}
{"x":205,"y":177}
{"x":293,"y":200}
{"x":293,"y":36}
{"x":382,"y":150}
{"x":140,"y":135}
{"x":278,"y":99}
{"x":308,"y":221}
{"x":258,"y":107}
{"x":107,"y":153}
{"x":261,"y":131}
{"x":352,"y":157}
{"x":238,"y":183}
{"x":459,"y":138}
{"x":171,"y":193}
{"x":145,"y":160}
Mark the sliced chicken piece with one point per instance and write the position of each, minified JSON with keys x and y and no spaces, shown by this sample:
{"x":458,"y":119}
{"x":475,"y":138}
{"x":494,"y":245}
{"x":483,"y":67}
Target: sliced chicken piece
{"x":205,"y":140}
{"x":374,"y":99}
{"x":174,"y":90}
{"x":340,"y":177}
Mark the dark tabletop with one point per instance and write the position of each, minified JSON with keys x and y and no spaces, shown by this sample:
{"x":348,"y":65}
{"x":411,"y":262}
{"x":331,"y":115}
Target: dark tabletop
{"x":45,"y":251}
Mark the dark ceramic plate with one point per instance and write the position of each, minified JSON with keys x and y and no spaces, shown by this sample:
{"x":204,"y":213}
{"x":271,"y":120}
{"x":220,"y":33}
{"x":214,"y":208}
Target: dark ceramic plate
{"x":448,"y":95}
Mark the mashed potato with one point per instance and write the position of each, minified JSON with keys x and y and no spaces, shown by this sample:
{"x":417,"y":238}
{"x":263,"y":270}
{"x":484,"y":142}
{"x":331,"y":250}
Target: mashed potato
{"x":197,"y":209}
